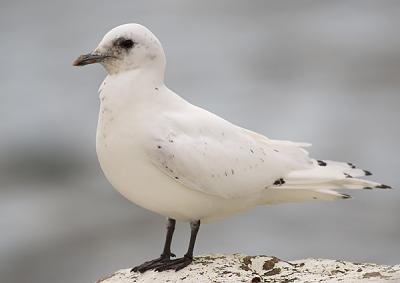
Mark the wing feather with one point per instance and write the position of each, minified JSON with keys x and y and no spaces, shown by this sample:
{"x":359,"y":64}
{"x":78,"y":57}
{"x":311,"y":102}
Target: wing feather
{"x":216,"y":157}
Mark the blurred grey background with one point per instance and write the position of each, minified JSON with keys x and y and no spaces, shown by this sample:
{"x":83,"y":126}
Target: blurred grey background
{"x":326,"y":72}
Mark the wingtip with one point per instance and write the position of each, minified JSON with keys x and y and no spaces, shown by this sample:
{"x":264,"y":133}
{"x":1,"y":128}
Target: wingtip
{"x":345,"y":196}
{"x":367,"y":173}
{"x":383,"y":186}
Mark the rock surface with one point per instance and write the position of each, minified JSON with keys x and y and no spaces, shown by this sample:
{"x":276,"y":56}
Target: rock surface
{"x":241,"y":268}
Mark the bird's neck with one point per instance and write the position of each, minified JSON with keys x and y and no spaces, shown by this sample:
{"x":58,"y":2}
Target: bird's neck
{"x":140,"y":78}
{"x":131,"y":89}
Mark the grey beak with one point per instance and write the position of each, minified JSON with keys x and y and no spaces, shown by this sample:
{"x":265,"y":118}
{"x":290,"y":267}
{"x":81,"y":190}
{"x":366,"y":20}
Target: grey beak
{"x":89,"y":59}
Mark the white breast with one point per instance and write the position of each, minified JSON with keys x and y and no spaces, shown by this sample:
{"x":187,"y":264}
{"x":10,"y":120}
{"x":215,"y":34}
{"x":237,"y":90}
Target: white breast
{"x":123,"y":134}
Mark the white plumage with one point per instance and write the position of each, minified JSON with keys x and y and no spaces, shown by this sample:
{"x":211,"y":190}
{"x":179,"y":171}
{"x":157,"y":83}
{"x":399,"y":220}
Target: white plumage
{"x":186,"y":163}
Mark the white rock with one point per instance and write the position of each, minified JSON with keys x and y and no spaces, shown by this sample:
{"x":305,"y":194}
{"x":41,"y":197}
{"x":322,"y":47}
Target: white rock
{"x":241,"y":268}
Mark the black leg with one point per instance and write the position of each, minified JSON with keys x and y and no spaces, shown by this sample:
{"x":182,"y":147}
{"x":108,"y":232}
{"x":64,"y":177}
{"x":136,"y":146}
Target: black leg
{"x":194,"y":227}
{"x":179,"y":263}
{"x":166,"y":254}
{"x":168,"y":239}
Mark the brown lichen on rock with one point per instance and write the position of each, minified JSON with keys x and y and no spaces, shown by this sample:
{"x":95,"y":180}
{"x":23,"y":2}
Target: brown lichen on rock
{"x":270,"y":264}
{"x":246,"y":262}
{"x":273,"y":272}
{"x":372,"y":274}
{"x":334,"y":272}
{"x":240,"y":268}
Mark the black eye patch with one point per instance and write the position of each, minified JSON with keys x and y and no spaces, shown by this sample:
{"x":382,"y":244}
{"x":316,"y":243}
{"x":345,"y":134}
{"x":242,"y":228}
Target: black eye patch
{"x":125,"y":43}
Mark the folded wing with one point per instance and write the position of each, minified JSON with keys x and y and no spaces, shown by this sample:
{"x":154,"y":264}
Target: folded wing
{"x":218,"y":158}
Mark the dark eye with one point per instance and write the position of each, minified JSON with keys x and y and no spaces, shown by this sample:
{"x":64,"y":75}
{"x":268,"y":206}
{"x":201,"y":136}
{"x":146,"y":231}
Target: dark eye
{"x":126,"y":43}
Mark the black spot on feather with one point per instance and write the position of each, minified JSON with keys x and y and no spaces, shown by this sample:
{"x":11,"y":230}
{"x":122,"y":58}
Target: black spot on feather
{"x":321,"y":163}
{"x":344,"y":196}
{"x":367,"y":188}
{"x":352,"y":166}
{"x":279,"y":182}
{"x":367,"y":173}
{"x":382,"y":186}
{"x":347,"y":175}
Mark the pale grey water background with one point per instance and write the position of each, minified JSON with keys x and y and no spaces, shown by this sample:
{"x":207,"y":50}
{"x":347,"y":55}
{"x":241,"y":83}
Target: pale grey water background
{"x":327,"y":72}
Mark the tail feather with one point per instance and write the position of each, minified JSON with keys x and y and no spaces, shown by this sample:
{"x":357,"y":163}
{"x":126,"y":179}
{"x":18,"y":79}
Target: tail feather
{"x":320,"y":183}
{"x":327,"y":174}
{"x":353,"y":183}
{"x":282,"y":195}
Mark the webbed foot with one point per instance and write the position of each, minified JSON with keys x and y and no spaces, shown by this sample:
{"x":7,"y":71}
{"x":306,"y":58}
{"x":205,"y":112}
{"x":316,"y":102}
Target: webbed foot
{"x":175,"y":264}
{"x":153,"y":264}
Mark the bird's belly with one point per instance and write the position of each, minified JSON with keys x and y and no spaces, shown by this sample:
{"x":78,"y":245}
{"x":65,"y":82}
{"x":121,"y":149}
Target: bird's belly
{"x":129,"y":170}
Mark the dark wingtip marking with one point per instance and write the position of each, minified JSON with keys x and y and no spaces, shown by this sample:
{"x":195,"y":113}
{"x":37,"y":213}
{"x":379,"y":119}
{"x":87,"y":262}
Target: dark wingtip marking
{"x":352,"y":166}
{"x":279,"y":182}
{"x":367,"y":188}
{"x":321,"y":163}
{"x":382,"y":186}
{"x":344,"y":196}
{"x":347,"y":175}
{"x":367,"y":173}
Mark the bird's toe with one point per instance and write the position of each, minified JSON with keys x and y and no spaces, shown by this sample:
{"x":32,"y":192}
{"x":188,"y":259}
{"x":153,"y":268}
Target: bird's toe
{"x":176,"y":264}
{"x":152,"y":264}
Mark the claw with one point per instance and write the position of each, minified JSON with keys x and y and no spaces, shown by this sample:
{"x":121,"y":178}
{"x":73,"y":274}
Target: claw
{"x":152,"y":264}
{"x":176,"y":264}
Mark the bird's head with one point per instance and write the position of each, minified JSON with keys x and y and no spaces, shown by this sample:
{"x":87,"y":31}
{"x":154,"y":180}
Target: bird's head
{"x":127,"y":47}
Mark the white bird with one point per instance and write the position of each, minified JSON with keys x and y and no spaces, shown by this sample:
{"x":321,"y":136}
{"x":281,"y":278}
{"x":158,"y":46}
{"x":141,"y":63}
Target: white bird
{"x":188,"y":164}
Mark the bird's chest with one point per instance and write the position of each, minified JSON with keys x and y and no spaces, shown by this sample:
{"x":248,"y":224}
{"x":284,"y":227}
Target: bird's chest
{"x":119,"y":132}
{"x":123,"y":134}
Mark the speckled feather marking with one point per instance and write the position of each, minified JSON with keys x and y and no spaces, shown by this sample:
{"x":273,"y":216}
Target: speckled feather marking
{"x":229,"y":163}
{"x":329,"y":174}
{"x":232,"y":165}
